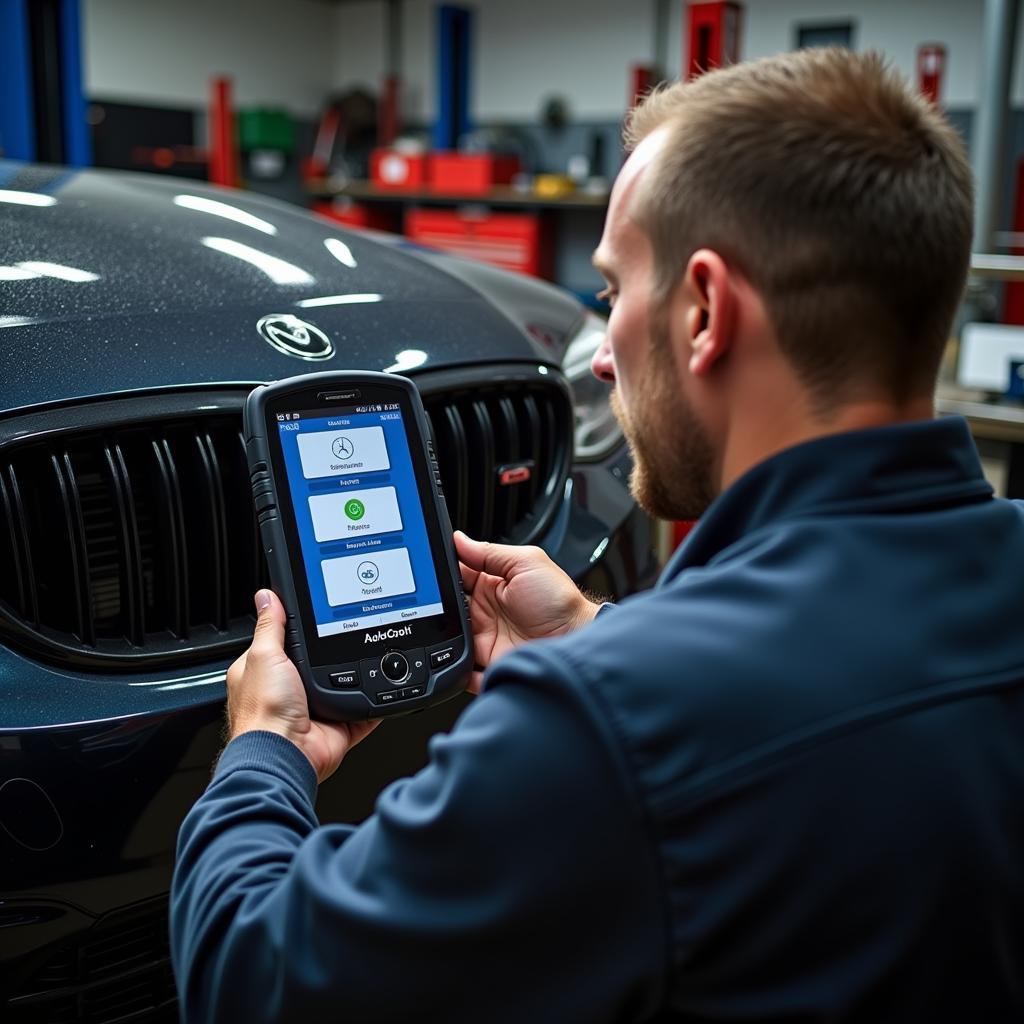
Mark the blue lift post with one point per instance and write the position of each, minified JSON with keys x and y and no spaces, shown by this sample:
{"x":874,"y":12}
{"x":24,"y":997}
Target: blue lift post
{"x":41,"y":82}
{"x":77,"y":140}
{"x":17,"y":112}
{"x":454,"y":31}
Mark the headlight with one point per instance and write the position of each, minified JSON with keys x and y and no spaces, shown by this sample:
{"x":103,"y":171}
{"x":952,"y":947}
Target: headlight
{"x":597,"y":430}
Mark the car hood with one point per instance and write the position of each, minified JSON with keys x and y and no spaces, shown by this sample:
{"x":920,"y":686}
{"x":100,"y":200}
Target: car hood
{"x":112,"y":281}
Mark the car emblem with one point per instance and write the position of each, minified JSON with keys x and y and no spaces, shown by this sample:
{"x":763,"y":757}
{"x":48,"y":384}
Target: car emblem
{"x":515,"y":474}
{"x":294,"y":337}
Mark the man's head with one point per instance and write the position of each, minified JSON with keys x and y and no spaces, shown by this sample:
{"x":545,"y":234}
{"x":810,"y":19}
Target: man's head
{"x":788,"y":240}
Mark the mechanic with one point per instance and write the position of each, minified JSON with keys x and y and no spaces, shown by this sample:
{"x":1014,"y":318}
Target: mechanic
{"x":787,"y":784}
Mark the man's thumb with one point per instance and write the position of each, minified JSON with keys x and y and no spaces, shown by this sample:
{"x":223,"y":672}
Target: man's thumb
{"x":495,"y":559}
{"x":270,"y":618}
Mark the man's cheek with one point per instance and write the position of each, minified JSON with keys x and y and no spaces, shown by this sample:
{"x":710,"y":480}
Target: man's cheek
{"x":619,"y":411}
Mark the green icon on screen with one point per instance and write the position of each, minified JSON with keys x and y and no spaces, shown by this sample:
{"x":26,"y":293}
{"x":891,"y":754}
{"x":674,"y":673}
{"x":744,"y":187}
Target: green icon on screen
{"x":355,"y":509}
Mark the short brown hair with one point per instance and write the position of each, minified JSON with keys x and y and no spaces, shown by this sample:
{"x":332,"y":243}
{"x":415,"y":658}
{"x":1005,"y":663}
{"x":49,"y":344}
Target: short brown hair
{"x":842,"y":196}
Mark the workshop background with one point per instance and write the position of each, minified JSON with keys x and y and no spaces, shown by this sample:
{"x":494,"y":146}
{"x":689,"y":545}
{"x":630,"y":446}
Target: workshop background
{"x":492,"y":129}
{"x":134,"y":319}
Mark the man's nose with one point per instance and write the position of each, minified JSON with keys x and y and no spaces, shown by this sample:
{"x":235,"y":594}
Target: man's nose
{"x":603,"y":365}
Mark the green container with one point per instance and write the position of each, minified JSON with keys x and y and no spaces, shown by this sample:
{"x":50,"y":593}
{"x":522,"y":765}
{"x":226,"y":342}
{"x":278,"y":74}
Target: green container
{"x":264,"y":128}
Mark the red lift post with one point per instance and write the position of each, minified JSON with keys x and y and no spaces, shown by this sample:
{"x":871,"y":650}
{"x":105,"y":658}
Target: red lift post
{"x":642,"y":79}
{"x":712,"y":41}
{"x":713,"y":36}
{"x":1013,"y":294}
{"x":223,"y":156}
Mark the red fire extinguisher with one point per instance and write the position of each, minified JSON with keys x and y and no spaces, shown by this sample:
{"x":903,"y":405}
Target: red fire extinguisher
{"x":931,"y":65}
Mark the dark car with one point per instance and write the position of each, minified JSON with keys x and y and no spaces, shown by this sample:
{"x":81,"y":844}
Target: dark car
{"x":135,"y":315}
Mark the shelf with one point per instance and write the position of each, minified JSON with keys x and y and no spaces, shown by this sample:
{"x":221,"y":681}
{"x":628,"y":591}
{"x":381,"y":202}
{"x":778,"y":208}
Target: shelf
{"x":501,"y":195}
{"x":994,"y":422}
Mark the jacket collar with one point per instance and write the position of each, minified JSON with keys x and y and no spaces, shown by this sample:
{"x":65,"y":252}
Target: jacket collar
{"x":902,"y":468}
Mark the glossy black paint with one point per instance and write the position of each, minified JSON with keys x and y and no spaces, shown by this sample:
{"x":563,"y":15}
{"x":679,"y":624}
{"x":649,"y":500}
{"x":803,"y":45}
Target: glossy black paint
{"x":158,"y":306}
{"x":106,"y":766}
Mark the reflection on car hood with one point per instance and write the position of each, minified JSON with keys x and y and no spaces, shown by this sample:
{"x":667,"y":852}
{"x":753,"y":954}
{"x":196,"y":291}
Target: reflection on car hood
{"x":112,"y":281}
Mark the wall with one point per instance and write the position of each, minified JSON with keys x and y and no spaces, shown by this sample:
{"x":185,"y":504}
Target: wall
{"x":296,"y":52}
{"x":897,"y":29}
{"x":523,"y":52}
{"x":164,"y":52}
{"x":293,"y":52}
{"x":359,"y":53}
{"x":528,"y":49}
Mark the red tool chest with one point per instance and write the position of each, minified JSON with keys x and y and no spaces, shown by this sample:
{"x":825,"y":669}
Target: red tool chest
{"x":464,"y":174}
{"x":360,"y":215}
{"x":514,"y":241}
{"x":392,"y":169}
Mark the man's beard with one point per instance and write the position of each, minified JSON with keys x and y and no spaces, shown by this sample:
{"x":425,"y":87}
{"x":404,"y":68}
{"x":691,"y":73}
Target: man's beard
{"x":673,"y":460}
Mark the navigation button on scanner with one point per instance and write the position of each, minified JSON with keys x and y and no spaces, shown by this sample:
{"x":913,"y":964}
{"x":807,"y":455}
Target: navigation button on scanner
{"x":395,"y":667}
{"x":418,"y":671}
{"x":443,"y":656}
{"x":346,"y":679}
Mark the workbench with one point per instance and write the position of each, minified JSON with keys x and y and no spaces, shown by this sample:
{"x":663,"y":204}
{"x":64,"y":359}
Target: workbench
{"x":998,"y":421}
{"x":500,"y":195}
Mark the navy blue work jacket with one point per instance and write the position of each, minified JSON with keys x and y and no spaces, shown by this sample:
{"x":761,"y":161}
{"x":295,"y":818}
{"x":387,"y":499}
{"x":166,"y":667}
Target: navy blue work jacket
{"x":786,"y":785}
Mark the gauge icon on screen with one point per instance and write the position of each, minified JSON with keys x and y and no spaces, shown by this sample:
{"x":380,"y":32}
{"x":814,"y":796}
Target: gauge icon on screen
{"x":367,"y":572}
{"x":342,"y":448}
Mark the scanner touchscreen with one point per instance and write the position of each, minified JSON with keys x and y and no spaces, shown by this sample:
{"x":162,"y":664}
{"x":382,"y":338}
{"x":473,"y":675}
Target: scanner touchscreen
{"x":360,"y":522}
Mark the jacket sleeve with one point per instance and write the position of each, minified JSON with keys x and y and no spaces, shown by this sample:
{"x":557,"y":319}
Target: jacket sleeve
{"x":513,"y":879}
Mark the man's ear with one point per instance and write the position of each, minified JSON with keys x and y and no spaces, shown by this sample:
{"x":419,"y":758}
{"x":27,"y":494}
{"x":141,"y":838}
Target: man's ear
{"x":711,"y":312}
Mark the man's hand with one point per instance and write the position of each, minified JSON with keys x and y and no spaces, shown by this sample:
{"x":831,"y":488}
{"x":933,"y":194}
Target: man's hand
{"x":265,"y":692}
{"x":516,"y":594}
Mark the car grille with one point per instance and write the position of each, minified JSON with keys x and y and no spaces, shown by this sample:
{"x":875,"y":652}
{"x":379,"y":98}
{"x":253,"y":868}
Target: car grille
{"x":118,"y":970}
{"x":483,"y":434}
{"x":138,"y":538}
{"x":127,"y":530}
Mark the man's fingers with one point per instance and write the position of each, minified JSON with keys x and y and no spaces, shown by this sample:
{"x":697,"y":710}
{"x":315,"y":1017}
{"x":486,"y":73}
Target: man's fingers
{"x":268,"y":640}
{"x":358,"y":731}
{"x":469,"y":577}
{"x":495,"y":559}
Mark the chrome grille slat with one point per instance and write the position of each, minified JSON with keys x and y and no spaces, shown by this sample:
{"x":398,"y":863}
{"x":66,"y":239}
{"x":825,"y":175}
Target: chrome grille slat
{"x":507,"y":507}
{"x":532,"y":432}
{"x":132,"y":545}
{"x":218,"y":528}
{"x":18,"y":510}
{"x":458,"y":467}
{"x":175,"y":533}
{"x":17,"y":553}
{"x":483,"y":496}
{"x":75,"y":536}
